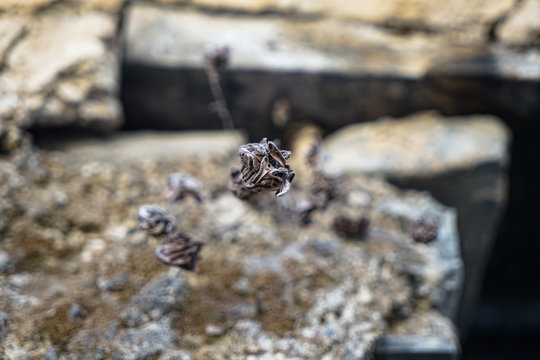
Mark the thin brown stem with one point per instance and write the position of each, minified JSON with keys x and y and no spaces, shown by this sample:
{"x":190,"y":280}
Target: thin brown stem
{"x":220,"y":103}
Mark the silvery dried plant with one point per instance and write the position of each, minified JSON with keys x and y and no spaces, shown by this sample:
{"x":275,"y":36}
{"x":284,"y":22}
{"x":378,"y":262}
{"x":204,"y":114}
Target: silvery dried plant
{"x":155,"y":220}
{"x":215,"y":62}
{"x":178,"y":249}
{"x":181,"y":185}
{"x":264,"y":168}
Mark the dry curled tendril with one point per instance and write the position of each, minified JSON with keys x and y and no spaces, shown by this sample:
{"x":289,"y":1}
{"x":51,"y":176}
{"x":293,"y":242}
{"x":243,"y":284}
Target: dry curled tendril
{"x":178,"y":249}
{"x":264,"y":168}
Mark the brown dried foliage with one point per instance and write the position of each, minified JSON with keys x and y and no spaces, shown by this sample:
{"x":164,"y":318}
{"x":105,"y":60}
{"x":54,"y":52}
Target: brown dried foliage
{"x":155,"y":220}
{"x":424,"y":229}
{"x":179,"y":250}
{"x":264,"y":168}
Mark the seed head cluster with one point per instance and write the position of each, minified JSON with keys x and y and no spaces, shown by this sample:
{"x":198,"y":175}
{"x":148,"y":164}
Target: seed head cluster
{"x":177,"y":249}
{"x":264,"y":168}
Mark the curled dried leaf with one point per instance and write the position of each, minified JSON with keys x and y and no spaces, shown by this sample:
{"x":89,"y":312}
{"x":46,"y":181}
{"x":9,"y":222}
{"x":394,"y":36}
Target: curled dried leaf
{"x":237,"y":187}
{"x":179,"y":250}
{"x":264,"y":168}
{"x":155,"y":220}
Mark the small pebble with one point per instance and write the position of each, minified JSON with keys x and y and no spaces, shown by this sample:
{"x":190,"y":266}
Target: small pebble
{"x":247,"y":327}
{"x":4,"y":321}
{"x":76,"y":311}
{"x":213,"y":329}
{"x":5,"y":262}
{"x":242,"y":286}
{"x":51,"y":354}
{"x":114,"y":284}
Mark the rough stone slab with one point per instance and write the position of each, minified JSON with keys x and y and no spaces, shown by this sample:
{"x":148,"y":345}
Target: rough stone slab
{"x":60,"y":68}
{"x":179,"y":37}
{"x":522,"y":26}
{"x":421,"y":145}
{"x":132,"y":147}
{"x":310,"y":291}
{"x":331,"y":71}
{"x":33,"y":6}
{"x":462,"y":161}
{"x":436,"y":14}
{"x":322,"y":69}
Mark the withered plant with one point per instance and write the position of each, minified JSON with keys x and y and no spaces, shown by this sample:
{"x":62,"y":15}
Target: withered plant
{"x":264,"y":168}
{"x":177,"y":249}
{"x":215,"y":62}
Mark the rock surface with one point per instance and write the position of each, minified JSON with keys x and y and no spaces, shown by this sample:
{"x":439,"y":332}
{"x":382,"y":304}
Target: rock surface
{"x":420,"y":145}
{"x":522,"y":27}
{"x":265,"y":287}
{"x":327,"y":68}
{"x":419,"y":14}
{"x":462,"y":161}
{"x":59,"y":68}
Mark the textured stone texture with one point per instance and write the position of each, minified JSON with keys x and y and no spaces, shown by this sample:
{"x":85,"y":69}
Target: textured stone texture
{"x":309,"y":292}
{"x":131,"y":148}
{"x":59,"y":68}
{"x":522,"y":27}
{"x":325,"y":69}
{"x":421,"y":145}
{"x":33,"y":6}
{"x":462,"y":161}
{"x":421,"y":13}
{"x":164,"y":37}
{"x":312,"y":66}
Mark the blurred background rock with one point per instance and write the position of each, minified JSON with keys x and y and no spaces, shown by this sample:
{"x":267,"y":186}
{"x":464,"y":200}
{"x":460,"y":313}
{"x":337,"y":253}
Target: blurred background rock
{"x":79,"y":68}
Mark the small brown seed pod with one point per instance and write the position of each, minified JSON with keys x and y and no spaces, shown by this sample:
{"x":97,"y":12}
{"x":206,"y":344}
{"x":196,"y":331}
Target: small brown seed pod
{"x":424,"y":229}
{"x":353,"y":228}
{"x":179,"y":250}
{"x":155,"y":220}
{"x":264,"y":168}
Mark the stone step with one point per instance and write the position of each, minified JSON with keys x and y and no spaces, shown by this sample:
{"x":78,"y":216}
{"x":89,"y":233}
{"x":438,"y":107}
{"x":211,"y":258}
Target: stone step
{"x":296,"y":68}
{"x":462,"y":161}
